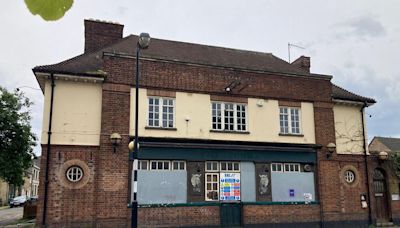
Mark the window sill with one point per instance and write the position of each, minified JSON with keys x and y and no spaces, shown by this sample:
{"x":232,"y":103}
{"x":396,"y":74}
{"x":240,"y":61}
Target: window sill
{"x":161,"y":128}
{"x":289,"y":134}
{"x":231,"y":132}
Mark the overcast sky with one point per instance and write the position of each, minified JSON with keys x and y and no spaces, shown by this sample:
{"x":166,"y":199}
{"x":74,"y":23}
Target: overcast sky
{"x":358,"y":42}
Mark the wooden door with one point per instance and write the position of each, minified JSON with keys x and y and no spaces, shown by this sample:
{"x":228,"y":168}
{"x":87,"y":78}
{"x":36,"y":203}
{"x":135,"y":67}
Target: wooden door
{"x":381,"y":196}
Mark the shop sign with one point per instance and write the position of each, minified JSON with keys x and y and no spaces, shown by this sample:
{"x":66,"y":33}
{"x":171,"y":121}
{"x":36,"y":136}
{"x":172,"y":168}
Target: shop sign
{"x":229,"y":186}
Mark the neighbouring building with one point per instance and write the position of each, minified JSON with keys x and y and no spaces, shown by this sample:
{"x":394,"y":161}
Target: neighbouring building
{"x":227,"y":137}
{"x":29,"y":188}
{"x":4,"y":193}
{"x":385,"y":177}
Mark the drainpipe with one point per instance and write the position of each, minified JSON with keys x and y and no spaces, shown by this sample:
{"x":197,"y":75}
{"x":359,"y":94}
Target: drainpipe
{"x":366,"y":161}
{"x":46,"y":182}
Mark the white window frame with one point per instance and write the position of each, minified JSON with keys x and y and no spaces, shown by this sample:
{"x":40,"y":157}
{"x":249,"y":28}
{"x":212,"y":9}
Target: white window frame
{"x":211,"y":182}
{"x":74,"y":173}
{"x":179,"y":165}
{"x":226,"y":165}
{"x":290,"y":120}
{"x":235,"y":118}
{"x":140,"y":164}
{"x":295,"y":166}
{"x":212,"y":170}
{"x":349,"y":176}
{"x":277,"y":165}
{"x":163,"y":165}
{"x":161,"y":112}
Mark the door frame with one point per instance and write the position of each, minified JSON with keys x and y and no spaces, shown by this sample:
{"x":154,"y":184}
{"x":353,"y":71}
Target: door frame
{"x":382,"y":176}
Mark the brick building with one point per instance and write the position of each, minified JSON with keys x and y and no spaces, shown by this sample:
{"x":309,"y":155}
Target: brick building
{"x":227,"y":137}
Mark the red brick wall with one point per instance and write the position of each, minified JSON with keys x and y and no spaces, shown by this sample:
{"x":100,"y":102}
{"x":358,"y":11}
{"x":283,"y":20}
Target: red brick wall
{"x":339,"y":201}
{"x":203,"y":79}
{"x":263,"y":214}
{"x":182,"y":216}
{"x":113,"y":168}
{"x":67,"y":205}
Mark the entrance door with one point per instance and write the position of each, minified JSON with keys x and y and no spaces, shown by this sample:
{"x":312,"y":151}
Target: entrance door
{"x":231,"y":214}
{"x":381,"y":197}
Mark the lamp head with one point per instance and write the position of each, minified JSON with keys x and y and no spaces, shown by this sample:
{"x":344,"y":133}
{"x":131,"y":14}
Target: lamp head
{"x":383,"y":155}
{"x":115,"y":139}
{"x":144,"y":40}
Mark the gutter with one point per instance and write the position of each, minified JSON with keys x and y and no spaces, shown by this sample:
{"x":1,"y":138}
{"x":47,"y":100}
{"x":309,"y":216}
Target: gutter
{"x":46,"y":182}
{"x":366,"y":161}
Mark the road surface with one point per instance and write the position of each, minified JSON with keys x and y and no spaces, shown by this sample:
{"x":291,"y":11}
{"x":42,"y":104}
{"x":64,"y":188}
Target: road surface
{"x":10,"y":215}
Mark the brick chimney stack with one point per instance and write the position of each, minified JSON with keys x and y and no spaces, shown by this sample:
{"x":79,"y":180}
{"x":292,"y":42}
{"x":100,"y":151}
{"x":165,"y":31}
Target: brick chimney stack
{"x":303,"y":62}
{"x":99,"y":34}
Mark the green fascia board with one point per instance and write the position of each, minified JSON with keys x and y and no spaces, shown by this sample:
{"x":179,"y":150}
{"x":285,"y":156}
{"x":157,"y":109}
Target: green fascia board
{"x":200,"y":154}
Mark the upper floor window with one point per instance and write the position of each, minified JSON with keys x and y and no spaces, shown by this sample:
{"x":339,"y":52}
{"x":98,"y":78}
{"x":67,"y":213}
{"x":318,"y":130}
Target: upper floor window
{"x":229,"y":116}
{"x":289,"y":120}
{"x":161,"y":112}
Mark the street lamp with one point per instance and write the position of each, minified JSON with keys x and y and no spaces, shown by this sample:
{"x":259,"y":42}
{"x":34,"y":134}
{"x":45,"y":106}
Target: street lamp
{"x":143,"y":43}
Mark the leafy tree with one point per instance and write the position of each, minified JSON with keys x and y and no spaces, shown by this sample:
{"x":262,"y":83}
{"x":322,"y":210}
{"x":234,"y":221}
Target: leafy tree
{"x":16,"y":139}
{"x":49,"y":10}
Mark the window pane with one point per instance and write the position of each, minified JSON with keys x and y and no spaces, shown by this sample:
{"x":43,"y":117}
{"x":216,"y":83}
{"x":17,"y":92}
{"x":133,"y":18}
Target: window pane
{"x":153,"y":165}
{"x":175,"y":166}
{"x":215,"y":166}
{"x":159,"y":165}
{"x":166,"y":165}
{"x":223,"y":166}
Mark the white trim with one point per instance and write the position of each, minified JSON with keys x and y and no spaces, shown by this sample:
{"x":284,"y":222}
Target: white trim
{"x":235,"y":121}
{"x":160,"y":111}
{"x":294,"y":167}
{"x":212,"y":170}
{"x":75,"y":78}
{"x":157,"y":161}
{"x":178,"y":161}
{"x":211,"y":182}
{"x":290,"y":129}
{"x":227,"y":170}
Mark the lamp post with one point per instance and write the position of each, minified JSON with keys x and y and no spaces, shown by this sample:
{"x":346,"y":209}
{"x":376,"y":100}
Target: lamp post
{"x":143,"y":43}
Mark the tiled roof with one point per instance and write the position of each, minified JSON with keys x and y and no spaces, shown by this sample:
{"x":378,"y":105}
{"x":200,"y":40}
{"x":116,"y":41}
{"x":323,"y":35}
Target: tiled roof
{"x":90,"y":63}
{"x":342,"y":94}
{"x":392,"y":143}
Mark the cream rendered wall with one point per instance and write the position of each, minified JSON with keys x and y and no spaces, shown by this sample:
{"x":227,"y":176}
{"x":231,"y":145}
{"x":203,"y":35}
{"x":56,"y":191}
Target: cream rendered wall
{"x":348,"y":128}
{"x":76,"y":113}
{"x":263,"y":122}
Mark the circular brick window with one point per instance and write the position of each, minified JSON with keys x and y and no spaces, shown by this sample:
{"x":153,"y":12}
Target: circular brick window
{"x":74,"y":173}
{"x":349,"y":176}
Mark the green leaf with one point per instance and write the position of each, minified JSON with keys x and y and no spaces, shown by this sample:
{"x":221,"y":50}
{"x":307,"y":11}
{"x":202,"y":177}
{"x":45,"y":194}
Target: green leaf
{"x":49,"y":10}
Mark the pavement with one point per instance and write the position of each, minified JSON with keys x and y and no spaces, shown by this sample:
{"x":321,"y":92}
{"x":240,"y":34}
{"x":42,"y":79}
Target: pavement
{"x":11,"y":217}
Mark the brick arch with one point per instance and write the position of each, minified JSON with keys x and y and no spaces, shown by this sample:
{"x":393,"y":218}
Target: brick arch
{"x":74,"y":185}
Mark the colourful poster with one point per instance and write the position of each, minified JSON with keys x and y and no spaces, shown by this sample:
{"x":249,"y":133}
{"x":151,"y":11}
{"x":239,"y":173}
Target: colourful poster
{"x":229,"y":186}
